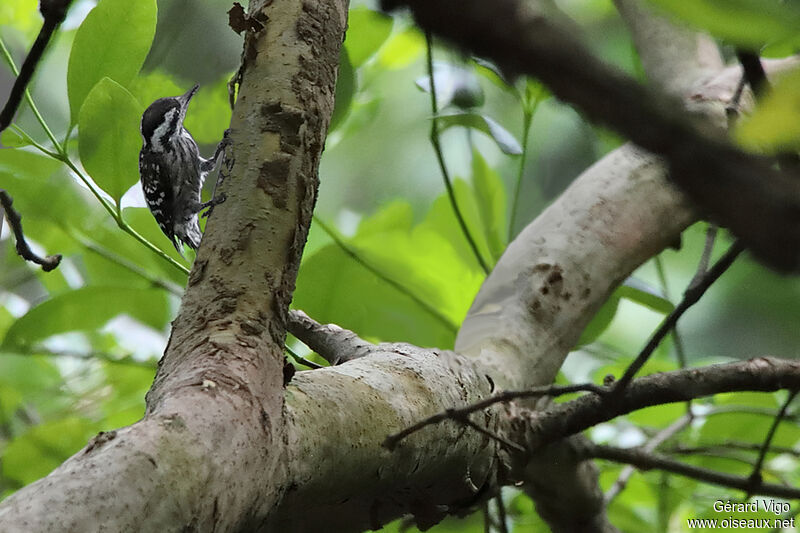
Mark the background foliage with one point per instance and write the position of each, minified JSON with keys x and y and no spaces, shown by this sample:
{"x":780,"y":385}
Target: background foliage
{"x":386,"y":256}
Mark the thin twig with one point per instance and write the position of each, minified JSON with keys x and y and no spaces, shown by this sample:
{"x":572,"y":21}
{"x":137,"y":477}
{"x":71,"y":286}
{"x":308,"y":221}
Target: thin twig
{"x":501,"y":513}
{"x":333,"y":343}
{"x":506,"y":396}
{"x":54,"y":12}
{"x":48,"y":263}
{"x":680,"y":352}
{"x":529,"y":111}
{"x":399,"y":287}
{"x":648,"y":461}
{"x":658,"y":439}
{"x":693,"y":293}
{"x":755,"y":477}
{"x":437,"y":147}
{"x":126,"y":264}
{"x":753,"y":71}
{"x":494,"y":436}
{"x":733,"y":445}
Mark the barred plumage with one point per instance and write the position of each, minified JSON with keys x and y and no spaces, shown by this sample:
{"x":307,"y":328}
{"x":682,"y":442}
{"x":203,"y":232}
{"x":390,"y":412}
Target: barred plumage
{"x":172,"y":171}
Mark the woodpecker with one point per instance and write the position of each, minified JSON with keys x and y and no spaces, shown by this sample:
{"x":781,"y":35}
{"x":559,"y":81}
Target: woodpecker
{"x":172,"y":171}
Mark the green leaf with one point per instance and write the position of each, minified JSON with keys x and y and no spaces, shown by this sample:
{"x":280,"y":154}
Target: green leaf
{"x":332,"y":286}
{"x":38,"y":451}
{"x":750,"y":23}
{"x":478,"y":121}
{"x":442,"y":220}
{"x":402,"y":49}
{"x":112,"y":42}
{"x":87,"y":308}
{"x":491,"y":197}
{"x":345,"y":89}
{"x":367,"y":30}
{"x":109,"y":137}
{"x":775,"y":125}
{"x":11,"y":139}
{"x":601,"y":320}
{"x":22,"y":15}
{"x":637,"y":291}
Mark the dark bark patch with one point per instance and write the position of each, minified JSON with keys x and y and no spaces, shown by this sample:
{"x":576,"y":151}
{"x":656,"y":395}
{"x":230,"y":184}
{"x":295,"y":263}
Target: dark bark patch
{"x":286,"y":122}
{"x":272,"y":178}
{"x":198,"y":272}
{"x":239,"y":20}
{"x":251,"y":327}
{"x":243,"y":240}
{"x":288,"y":372}
{"x":99,"y":440}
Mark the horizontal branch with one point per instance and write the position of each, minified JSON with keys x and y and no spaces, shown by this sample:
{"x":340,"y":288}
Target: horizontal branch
{"x":765,"y":374}
{"x":644,"y":460}
{"x":333,"y":343}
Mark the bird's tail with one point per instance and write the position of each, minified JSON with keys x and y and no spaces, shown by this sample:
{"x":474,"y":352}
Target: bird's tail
{"x":189,"y":233}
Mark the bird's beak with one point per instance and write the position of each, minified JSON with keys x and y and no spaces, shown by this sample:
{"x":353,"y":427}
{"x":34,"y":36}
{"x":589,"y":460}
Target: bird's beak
{"x":188,"y":96}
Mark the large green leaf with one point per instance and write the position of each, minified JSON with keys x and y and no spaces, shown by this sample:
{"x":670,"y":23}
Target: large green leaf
{"x":441,"y":219}
{"x":775,"y":124}
{"x":109,"y":137}
{"x":87,"y":308}
{"x":490,"y":194}
{"x":345,"y":89}
{"x":112,"y":42}
{"x":367,"y":30}
{"x":746,"y":22}
{"x":414,"y":264}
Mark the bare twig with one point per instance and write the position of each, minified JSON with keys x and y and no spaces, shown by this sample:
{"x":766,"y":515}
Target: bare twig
{"x":765,"y":374}
{"x":54,"y":12}
{"x":692,"y":295}
{"x":755,"y":477}
{"x":333,"y":343}
{"x":647,"y":461}
{"x":506,"y":396}
{"x":494,"y":436}
{"x":753,"y":71}
{"x":437,"y":147}
{"x":15,"y":222}
{"x":731,"y":445}
{"x":658,"y":439}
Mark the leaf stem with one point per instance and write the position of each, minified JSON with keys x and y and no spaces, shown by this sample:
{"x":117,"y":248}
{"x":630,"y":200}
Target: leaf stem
{"x":528,"y":112}
{"x":29,"y":99}
{"x":437,"y":147}
{"x":333,"y":234}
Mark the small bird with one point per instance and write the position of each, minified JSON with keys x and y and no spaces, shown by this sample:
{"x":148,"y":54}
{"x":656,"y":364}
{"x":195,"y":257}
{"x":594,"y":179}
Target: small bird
{"x":172,"y":171}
